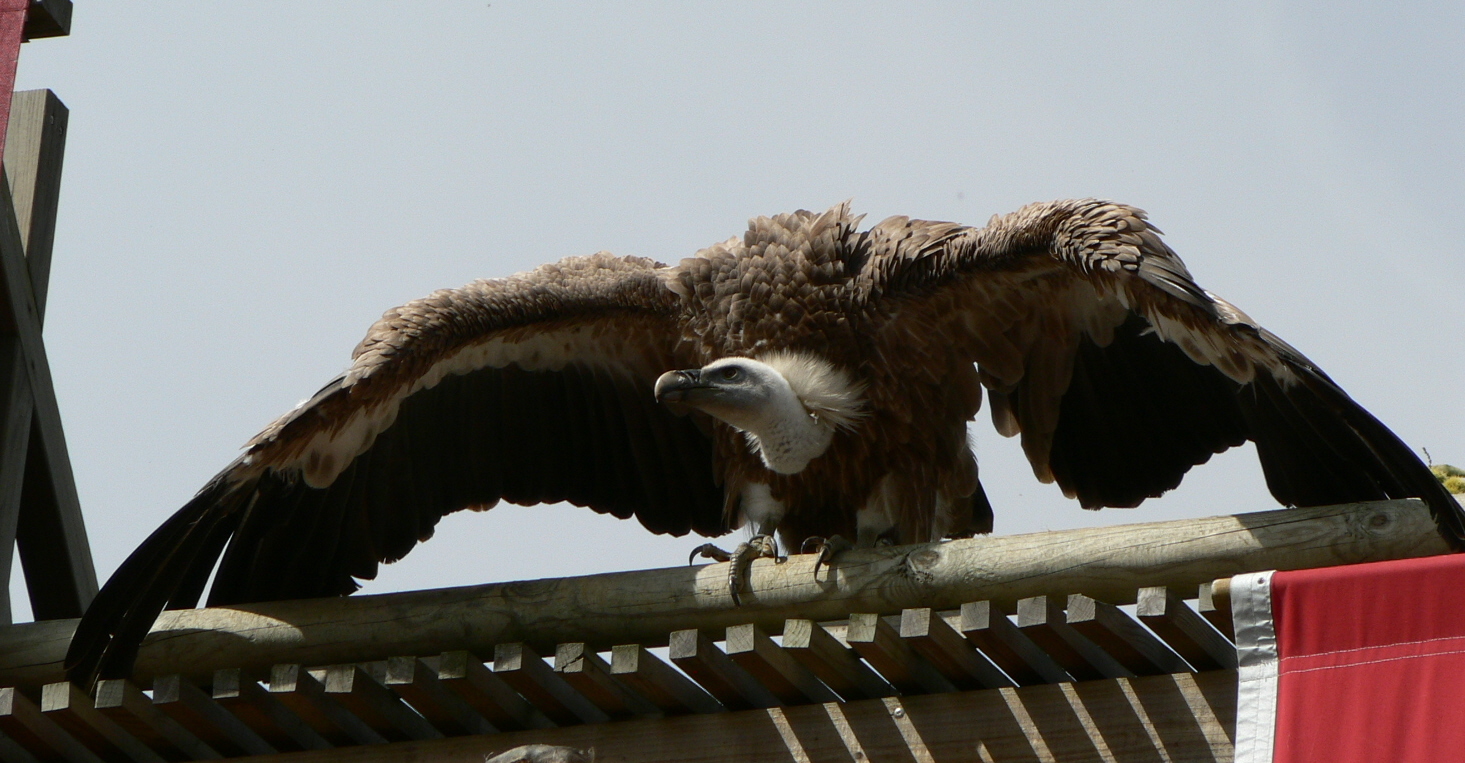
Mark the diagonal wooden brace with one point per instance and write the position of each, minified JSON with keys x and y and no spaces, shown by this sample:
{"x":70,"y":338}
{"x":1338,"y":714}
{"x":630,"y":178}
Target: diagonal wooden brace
{"x":39,"y":508}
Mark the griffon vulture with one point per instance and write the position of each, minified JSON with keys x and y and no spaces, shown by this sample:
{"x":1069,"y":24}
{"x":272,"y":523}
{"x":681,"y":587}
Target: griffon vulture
{"x":814,"y":380}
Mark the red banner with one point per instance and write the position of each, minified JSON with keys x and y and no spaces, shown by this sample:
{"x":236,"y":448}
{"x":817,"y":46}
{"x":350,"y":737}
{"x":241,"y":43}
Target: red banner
{"x":12,"y":34}
{"x":1367,"y":663}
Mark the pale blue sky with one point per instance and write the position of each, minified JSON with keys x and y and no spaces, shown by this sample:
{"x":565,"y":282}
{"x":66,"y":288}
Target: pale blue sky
{"x":249,"y":185}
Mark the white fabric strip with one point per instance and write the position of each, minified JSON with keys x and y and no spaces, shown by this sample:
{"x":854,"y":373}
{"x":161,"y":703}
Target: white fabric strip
{"x":1256,"y":651}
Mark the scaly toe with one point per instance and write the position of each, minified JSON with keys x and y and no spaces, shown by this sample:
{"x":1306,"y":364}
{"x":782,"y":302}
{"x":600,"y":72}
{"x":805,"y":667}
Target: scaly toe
{"x":828,"y":549}
{"x":709,"y":551}
{"x":757,"y":547}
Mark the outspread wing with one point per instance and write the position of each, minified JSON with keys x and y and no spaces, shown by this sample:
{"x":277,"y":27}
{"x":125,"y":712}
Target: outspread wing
{"x":1119,"y":372}
{"x":530,"y":389}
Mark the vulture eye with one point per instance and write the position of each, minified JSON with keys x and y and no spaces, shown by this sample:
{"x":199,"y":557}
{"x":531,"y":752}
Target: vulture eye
{"x":731,"y":373}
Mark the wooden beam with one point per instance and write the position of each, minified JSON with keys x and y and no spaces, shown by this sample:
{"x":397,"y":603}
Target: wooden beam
{"x":48,"y":18}
{"x":788,"y":679}
{"x":989,"y":630}
{"x":522,"y":668}
{"x":417,"y":683}
{"x":1190,"y":635}
{"x":583,"y":669}
{"x":954,"y":657}
{"x":1122,"y":638}
{"x":192,"y":709}
{"x":1181,"y":718}
{"x":266,"y":716}
{"x":837,"y":665}
{"x":135,"y":712}
{"x":695,"y":654}
{"x":1041,"y":618}
{"x":23,"y":722}
{"x":73,"y":711}
{"x":1108,"y":563}
{"x":47,"y":522}
{"x":35,"y":147}
{"x":465,"y":676}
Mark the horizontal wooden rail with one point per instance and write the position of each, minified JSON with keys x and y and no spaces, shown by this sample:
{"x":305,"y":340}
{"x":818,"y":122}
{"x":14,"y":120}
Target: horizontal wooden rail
{"x":1107,"y":563}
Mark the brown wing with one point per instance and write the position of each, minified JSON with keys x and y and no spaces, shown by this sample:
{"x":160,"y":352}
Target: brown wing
{"x":530,"y":389}
{"x":1119,"y":372}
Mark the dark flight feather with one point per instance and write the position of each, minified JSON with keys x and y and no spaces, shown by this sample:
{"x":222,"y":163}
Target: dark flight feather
{"x":1088,"y":334}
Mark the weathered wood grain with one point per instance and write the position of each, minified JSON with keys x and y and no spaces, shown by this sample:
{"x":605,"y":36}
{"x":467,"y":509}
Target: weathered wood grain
{"x":954,"y":657}
{"x":1122,"y":638}
{"x":837,"y":665}
{"x":266,"y":716}
{"x":644,"y":607}
{"x":1190,"y":635}
{"x":989,"y":630}
{"x":732,"y":685}
{"x":1041,"y":618}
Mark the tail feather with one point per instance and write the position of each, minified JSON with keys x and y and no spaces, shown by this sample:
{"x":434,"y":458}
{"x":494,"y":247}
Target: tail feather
{"x":171,"y":566}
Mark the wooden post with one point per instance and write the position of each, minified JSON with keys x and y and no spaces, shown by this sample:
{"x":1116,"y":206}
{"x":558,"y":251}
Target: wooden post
{"x":645,"y":607}
{"x":39,"y":508}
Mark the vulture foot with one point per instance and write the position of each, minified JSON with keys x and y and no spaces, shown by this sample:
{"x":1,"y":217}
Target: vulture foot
{"x":828,"y":549}
{"x":757,"y":547}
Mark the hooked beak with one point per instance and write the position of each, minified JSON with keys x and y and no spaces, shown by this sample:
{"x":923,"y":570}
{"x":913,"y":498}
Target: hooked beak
{"x":673,"y":386}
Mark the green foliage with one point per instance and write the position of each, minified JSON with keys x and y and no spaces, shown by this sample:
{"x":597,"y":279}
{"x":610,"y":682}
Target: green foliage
{"x":1453,"y":477}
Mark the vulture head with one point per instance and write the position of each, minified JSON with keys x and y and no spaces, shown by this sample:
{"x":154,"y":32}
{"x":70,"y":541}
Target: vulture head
{"x":788,"y":404}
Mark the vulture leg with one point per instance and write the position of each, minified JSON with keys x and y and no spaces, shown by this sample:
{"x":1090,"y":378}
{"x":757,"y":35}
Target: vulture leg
{"x":760,"y":546}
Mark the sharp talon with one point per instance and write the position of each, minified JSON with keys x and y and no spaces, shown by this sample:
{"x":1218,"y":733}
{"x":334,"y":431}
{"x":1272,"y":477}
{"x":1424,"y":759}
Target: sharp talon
{"x":709,"y":551}
{"x":828,"y":548}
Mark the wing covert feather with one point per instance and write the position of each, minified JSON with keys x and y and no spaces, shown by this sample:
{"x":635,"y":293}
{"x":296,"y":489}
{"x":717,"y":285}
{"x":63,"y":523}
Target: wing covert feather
{"x":529,"y":389}
{"x":1119,"y":372}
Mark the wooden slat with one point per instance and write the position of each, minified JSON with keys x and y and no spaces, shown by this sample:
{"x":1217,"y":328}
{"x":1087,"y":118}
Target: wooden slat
{"x":880,"y":644}
{"x":1109,"y":563}
{"x":784,"y":676}
{"x":698,"y":656}
{"x":376,"y":705}
{"x":22,"y":721}
{"x":837,"y":665}
{"x":265,"y":715}
{"x":1182,"y":719}
{"x":590,"y":675}
{"x":659,"y":682}
{"x":194,"y":710}
{"x":1164,"y":611}
{"x":12,"y":751}
{"x":298,"y":690}
{"x":1215,"y":606}
{"x":951,"y":655}
{"x":466,"y":676}
{"x":72,"y":710}
{"x":132,"y":710}
{"x":417,"y":683}
{"x":1041,"y":619}
{"x":989,"y":630}
{"x":522,"y":668}
{"x":1122,"y":637}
